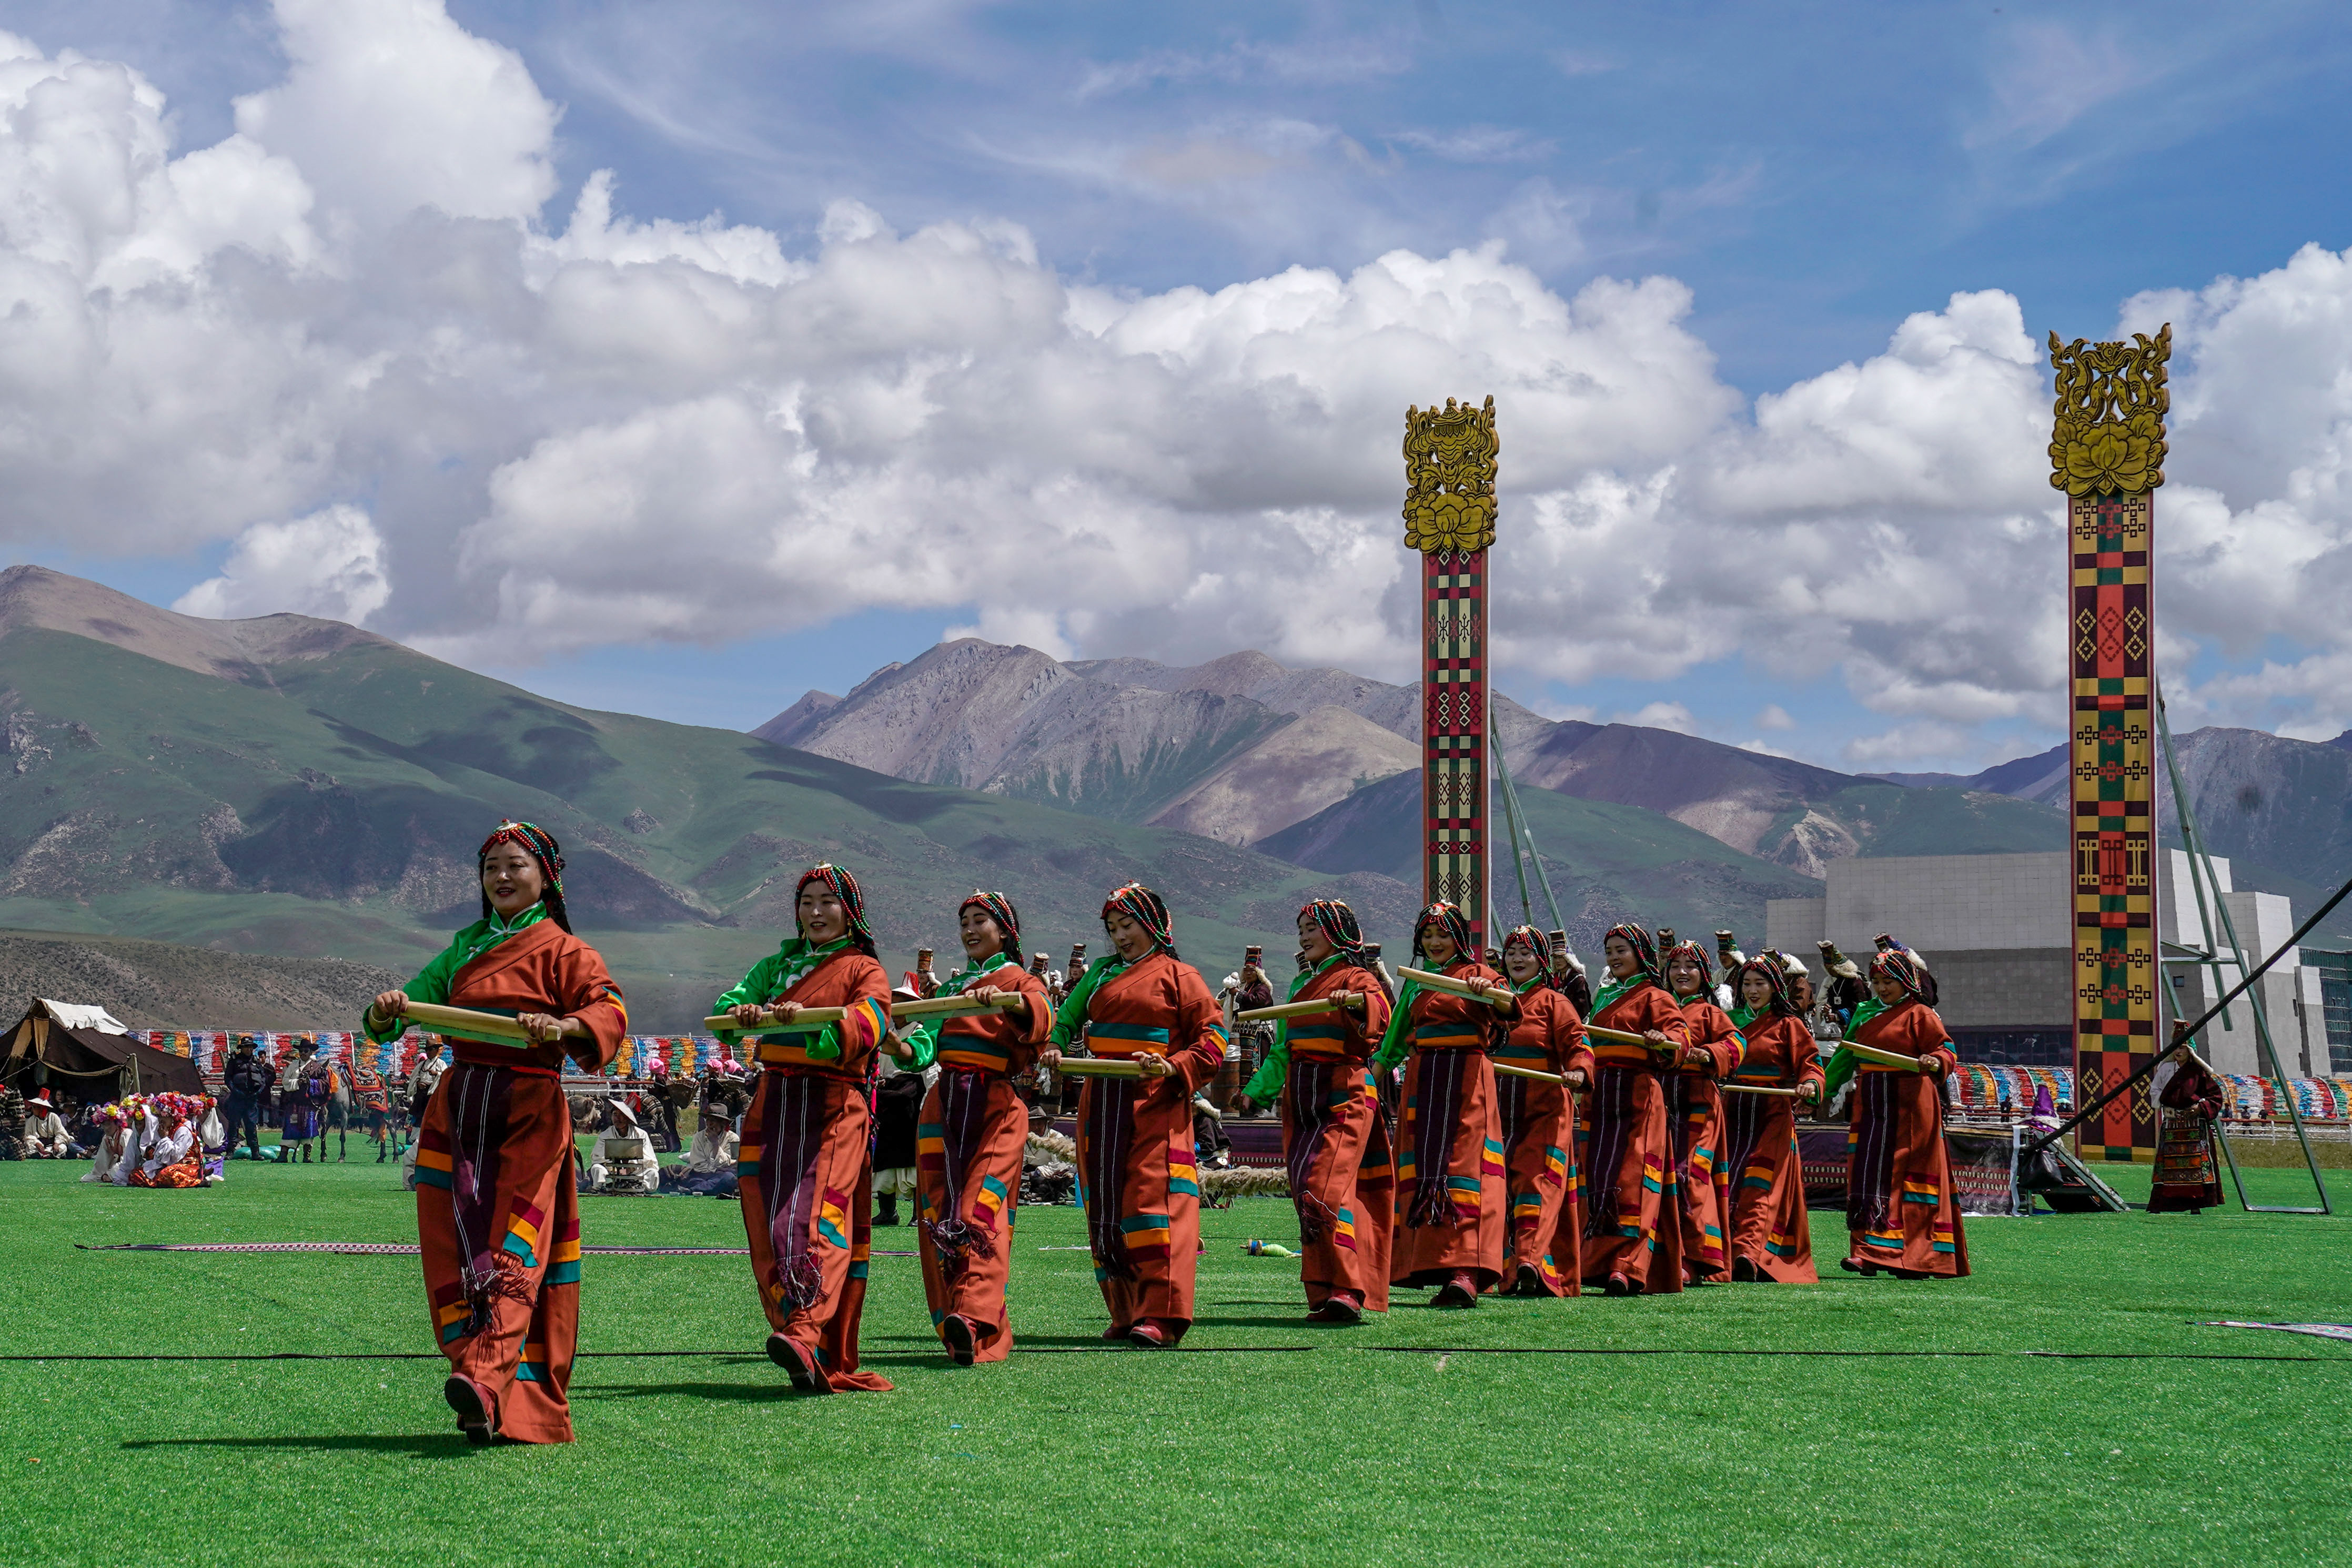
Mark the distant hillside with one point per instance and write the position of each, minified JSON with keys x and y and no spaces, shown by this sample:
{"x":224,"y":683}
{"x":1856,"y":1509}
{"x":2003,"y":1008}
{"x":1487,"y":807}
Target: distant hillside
{"x":160,"y":985}
{"x":298,"y":787}
{"x":2279,"y":809}
{"x":1607,"y":862}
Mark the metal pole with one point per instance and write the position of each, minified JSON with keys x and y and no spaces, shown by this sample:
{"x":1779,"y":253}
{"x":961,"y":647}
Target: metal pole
{"x":1511,"y":794}
{"x":2229,"y":928}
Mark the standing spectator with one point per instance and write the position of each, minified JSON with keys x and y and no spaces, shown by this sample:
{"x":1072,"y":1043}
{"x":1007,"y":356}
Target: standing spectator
{"x":246,"y":1081}
{"x":45,"y":1133}
{"x":301,"y":1108}
{"x":372,"y":1097}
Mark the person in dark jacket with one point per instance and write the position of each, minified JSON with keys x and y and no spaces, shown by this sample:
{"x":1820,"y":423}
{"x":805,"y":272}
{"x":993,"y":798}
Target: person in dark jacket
{"x":247,"y":1080}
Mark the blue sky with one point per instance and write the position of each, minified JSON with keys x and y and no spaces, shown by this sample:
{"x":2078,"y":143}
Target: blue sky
{"x":1814,"y":174}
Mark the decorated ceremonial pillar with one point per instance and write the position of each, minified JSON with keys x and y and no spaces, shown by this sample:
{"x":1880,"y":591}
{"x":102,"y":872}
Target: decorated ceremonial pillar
{"x":2106,"y":453}
{"x":1449,"y":517}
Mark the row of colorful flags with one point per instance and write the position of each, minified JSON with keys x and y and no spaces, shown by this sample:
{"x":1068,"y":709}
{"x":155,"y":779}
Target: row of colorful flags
{"x":1978,"y":1087}
{"x":679,"y":1055}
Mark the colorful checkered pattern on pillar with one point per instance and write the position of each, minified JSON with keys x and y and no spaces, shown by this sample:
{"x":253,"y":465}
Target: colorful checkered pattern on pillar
{"x":2110,"y":537}
{"x":1454,"y":793}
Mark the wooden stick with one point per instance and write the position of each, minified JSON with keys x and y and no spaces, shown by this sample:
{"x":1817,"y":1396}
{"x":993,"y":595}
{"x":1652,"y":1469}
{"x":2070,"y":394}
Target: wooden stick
{"x":1625,"y":1037}
{"x":466,"y":1021}
{"x":1538,"y":1073}
{"x":1761,"y":1089}
{"x":1100,"y":1067}
{"x":811,"y":1018}
{"x":1884,"y":1058}
{"x":1299,"y":1009}
{"x":950,"y":1006}
{"x":1497,"y":998}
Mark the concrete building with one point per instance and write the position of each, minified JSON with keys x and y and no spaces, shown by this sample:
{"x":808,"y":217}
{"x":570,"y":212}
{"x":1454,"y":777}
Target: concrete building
{"x":1998,"y":931}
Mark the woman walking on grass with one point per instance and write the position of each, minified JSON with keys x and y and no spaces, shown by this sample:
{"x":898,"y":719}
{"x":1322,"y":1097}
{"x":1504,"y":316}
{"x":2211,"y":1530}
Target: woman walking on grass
{"x":497,"y":1212}
{"x":1695,"y":1116}
{"x":1542,"y":1251}
{"x":806,"y":1183}
{"x":1137,"y":1176}
{"x":972,"y":1131}
{"x":1901,"y":1211}
{"x":1450,"y":1175}
{"x":1770,"y":1238}
{"x":1334,"y":1142}
{"x":1632,"y":1232}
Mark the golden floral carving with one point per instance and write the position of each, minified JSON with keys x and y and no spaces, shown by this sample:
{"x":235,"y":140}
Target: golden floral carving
{"x":1449,"y":471}
{"x":2107,"y":436}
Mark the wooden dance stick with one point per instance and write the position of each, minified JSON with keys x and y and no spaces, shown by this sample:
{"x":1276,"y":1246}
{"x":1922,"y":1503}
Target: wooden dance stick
{"x":1761,"y":1089}
{"x":1498,"y":997}
{"x":1884,"y":1058}
{"x":1300,"y":1010}
{"x":950,"y":1006}
{"x":1101,"y":1067}
{"x":466,"y":1021}
{"x":1538,"y":1073}
{"x":811,"y":1018}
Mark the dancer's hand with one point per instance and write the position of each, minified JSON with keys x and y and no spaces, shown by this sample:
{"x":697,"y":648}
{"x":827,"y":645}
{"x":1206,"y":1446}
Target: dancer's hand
{"x":389,"y":1005}
{"x":1811,"y":1091}
{"x":746,"y":1014}
{"x":544,"y":1029}
{"x":1050,"y":1059}
{"x":1931,"y":1067}
{"x":1154,"y":1066}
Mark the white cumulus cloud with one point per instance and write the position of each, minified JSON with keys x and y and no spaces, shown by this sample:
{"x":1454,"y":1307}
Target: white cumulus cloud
{"x":597,"y":426}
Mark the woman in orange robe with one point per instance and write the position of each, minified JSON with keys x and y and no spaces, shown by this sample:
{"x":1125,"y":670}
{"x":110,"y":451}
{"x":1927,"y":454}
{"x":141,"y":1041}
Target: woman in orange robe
{"x":1137,"y":1175}
{"x":1450,"y":1177}
{"x":498,"y":1213}
{"x":1695,"y":1116}
{"x":1543,"y":1249}
{"x":1901,"y":1211}
{"x":1770,"y":1238}
{"x":802,"y":1166}
{"x":1334,"y":1141}
{"x":971,"y":1133}
{"x":1633,"y":1234}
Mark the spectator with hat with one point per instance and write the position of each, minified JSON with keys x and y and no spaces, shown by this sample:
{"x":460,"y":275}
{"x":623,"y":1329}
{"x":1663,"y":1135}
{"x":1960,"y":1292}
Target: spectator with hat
{"x":45,"y":1132}
{"x":247,"y":1083}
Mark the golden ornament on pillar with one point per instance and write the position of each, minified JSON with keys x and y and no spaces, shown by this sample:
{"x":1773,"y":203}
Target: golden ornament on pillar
{"x":1449,"y":470}
{"x":2107,"y":438}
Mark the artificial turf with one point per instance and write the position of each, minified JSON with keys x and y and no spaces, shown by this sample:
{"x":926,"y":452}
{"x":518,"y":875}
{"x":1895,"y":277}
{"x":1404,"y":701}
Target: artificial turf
{"x":2207,"y":1444}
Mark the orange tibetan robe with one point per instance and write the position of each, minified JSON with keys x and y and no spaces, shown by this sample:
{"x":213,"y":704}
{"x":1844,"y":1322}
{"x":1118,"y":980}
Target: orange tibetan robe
{"x":498,"y":1210}
{"x":1335,"y":1144}
{"x":1630,"y":1227}
{"x":1137,"y":1172}
{"x":1450,"y":1181}
{"x":1901,"y":1211}
{"x":1768,"y":1227}
{"x":968,"y":1142}
{"x":1695,"y":1120}
{"x":802,"y":1172}
{"x":1538,"y":1120}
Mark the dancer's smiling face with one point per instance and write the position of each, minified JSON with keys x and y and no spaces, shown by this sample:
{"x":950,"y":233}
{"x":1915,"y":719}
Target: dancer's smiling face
{"x":1436,"y":945}
{"x":823,"y":917}
{"x":511,"y":879}
{"x":1313,"y":945}
{"x":1684,"y":978}
{"x":1618,"y":954}
{"x":981,"y":935}
{"x":1521,"y":962}
{"x":1756,"y":991}
{"x":1128,"y":935}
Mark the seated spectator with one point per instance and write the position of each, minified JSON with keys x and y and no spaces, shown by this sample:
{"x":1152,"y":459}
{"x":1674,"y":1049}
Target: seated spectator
{"x":622,"y":1159}
{"x":45,"y":1132}
{"x":11,"y":1123}
{"x":710,"y":1167}
{"x":114,"y":1143}
{"x":166,"y":1154}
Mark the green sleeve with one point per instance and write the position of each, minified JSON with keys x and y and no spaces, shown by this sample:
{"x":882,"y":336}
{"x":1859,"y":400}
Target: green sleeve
{"x":1835,"y":1075}
{"x":431,"y":986}
{"x":926,"y":1042}
{"x":1398,"y":1041}
{"x":1273,"y":1072}
{"x":753,"y":987}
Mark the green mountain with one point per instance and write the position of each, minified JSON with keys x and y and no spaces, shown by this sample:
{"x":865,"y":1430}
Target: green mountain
{"x":292,"y":786}
{"x":1607,"y":862}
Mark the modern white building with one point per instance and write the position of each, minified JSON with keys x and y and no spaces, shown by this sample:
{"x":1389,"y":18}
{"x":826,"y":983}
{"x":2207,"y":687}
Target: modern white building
{"x":1998,"y":931}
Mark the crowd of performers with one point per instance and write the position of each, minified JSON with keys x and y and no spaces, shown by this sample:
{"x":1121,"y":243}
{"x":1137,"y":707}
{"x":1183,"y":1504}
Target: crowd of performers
{"x":1543,"y":1135}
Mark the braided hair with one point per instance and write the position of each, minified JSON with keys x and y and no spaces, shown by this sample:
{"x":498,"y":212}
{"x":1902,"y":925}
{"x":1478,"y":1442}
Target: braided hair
{"x":1645,"y":951}
{"x":1339,"y":927}
{"x":1147,"y":909}
{"x":999,"y":908}
{"x":1774,"y":966}
{"x":853,"y":902}
{"x":1448,"y":916}
{"x":542,"y":847}
{"x":1697,"y":954}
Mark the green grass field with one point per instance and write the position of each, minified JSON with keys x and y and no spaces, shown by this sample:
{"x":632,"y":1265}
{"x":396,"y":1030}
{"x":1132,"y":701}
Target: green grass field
{"x":1677,"y":1435}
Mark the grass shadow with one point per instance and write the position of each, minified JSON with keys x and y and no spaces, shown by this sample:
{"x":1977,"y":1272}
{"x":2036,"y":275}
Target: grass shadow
{"x":437,"y":1446}
{"x":738,"y":1392}
{"x":1292,"y":1321}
